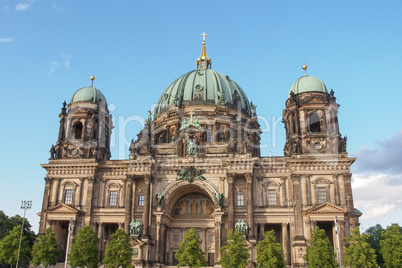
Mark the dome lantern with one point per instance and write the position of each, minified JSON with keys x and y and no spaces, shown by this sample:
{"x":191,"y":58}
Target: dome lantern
{"x":203,"y":62}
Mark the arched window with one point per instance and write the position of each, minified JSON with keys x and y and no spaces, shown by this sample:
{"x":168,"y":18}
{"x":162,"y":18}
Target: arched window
{"x":314,"y":123}
{"x":77,"y":130}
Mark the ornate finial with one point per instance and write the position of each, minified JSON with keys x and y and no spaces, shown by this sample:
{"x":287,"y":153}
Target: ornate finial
{"x":305,"y":68}
{"x":203,"y":38}
{"x":92,"y":79}
{"x":203,"y":62}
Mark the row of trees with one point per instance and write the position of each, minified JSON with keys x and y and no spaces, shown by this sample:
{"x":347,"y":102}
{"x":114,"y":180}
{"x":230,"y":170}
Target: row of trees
{"x":360,"y":252}
{"x":85,"y":251}
{"x":377,"y":246}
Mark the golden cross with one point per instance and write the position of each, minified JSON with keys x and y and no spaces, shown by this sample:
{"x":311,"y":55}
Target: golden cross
{"x":203,"y":37}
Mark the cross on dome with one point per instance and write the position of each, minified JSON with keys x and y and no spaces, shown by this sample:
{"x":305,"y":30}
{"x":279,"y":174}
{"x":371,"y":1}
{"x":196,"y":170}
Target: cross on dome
{"x":203,"y":37}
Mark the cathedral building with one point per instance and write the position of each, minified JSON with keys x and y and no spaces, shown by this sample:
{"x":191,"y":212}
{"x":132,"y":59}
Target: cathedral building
{"x":197,"y":164}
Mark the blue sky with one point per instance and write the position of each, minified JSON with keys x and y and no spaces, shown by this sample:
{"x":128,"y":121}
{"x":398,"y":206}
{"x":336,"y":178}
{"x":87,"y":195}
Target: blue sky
{"x":49,"y":49}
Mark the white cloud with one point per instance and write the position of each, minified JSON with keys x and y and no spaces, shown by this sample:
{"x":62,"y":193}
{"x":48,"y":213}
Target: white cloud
{"x":64,"y":61}
{"x":6,"y":40}
{"x":377,"y":195}
{"x":53,"y":66}
{"x":56,"y":7}
{"x":24,"y":5}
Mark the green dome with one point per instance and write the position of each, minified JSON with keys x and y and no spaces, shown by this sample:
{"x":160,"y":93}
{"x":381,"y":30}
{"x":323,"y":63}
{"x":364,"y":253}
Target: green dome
{"x":308,"y":84}
{"x":203,"y":87}
{"x":90,"y":94}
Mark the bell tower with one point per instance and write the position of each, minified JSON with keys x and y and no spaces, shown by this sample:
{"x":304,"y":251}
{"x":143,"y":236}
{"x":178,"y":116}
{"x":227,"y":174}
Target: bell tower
{"x":85,"y":126}
{"x":311,"y":119}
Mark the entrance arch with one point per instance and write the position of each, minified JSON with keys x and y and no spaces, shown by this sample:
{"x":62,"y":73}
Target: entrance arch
{"x":190,"y":205}
{"x":176,"y":190}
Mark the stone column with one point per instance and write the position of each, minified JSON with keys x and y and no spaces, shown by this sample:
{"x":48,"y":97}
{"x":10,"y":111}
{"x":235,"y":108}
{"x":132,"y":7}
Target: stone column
{"x":304,"y":191}
{"x":336,"y":190}
{"x":78,"y":194}
{"x":218,"y":235}
{"x":283,"y":190}
{"x":45,"y":204}
{"x":162,"y":243}
{"x":158,"y":235}
{"x":145,"y":214}
{"x":127,"y":203}
{"x":100,"y":235}
{"x":285,"y":242}
{"x":250,"y":205}
{"x":262,"y":228}
{"x":55,"y":192}
{"x":298,"y":215}
{"x":342,"y":191}
{"x":230,"y":179}
{"x":133,"y":197}
{"x":88,"y":201}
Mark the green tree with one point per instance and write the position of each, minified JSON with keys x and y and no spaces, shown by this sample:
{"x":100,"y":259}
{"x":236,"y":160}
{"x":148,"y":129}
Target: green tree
{"x":359,"y":253}
{"x":8,"y":223}
{"x":85,"y":251}
{"x":375,"y":235}
{"x":319,"y":252}
{"x":118,"y":252}
{"x":9,"y":248}
{"x":391,"y":246}
{"x":235,"y":253}
{"x":270,"y":253}
{"x":46,"y":251}
{"x":189,"y":252}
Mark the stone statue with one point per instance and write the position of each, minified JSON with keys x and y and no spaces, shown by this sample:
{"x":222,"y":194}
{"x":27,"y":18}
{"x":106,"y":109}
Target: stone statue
{"x":190,"y":147}
{"x":52,"y":152}
{"x":343,"y":145}
{"x":221,"y":97}
{"x":332,"y":92}
{"x":241,"y":227}
{"x":254,"y":109}
{"x":135,"y":227}
{"x":160,"y":197}
{"x":190,"y":174}
{"x":176,"y":100}
{"x":132,"y":147}
{"x":219,"y":198}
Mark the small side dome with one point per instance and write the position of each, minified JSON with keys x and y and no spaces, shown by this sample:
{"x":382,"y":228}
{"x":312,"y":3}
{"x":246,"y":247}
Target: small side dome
{"x":91,"y":94}
{"x":308,"y":84}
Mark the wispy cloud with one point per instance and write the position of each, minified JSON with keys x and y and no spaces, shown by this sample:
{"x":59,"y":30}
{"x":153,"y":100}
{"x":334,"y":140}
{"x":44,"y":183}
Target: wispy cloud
{"x":56,"y":7}
{"x":25,"y":5}
{"x":64,"y":61}
{"x":6,"y":40}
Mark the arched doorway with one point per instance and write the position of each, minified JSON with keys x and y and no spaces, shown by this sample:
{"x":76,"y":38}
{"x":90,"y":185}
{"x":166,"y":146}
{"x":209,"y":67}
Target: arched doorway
{"x":191,"y":210}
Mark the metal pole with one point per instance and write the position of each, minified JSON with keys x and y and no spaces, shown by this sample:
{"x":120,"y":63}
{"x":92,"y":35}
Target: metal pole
{"x":68,"y":242}
{"x":337,"y":238}
{"x":24,"y":205}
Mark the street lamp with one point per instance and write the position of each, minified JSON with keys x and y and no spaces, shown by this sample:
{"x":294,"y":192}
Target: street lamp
{"x":24,"y":205}
{"x":290,"y":203}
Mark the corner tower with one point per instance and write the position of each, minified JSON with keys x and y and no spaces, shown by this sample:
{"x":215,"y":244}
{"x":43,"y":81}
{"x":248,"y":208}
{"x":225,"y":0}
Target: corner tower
{"x":311,"y":119}
{"x":85,"y":126}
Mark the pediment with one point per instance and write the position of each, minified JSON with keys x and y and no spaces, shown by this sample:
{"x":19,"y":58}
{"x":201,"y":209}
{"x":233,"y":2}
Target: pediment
{"x":62,"y":209}
{"x":78,"y":109}
{"x":314,"y":100}
{"x":325,"y":208}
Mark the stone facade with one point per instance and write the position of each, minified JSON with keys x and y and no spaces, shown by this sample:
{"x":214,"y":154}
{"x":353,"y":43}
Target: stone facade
{"x":198,"y":165}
